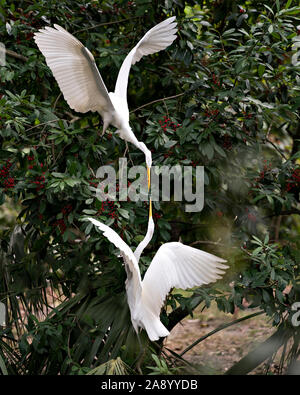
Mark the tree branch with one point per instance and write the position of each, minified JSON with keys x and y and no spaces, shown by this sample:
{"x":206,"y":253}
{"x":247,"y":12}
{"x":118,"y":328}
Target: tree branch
{"x":286,"y":212}
{"x":14,"y":54}
{"x":217,"y":243}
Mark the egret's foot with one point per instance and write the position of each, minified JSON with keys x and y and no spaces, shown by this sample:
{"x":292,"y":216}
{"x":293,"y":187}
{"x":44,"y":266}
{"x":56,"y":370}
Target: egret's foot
{"x":139,"y":362}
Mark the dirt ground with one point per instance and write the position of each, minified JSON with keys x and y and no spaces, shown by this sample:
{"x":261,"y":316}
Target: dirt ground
{"x":219,"y":352}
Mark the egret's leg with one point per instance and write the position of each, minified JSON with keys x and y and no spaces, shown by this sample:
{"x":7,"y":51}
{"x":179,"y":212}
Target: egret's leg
{"x":105,"y":126}
{"x":140,"y":356}
{"x":126,"y":149}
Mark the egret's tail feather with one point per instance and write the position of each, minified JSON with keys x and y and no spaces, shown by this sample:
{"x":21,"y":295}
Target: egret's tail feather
{"x":154,"y":328}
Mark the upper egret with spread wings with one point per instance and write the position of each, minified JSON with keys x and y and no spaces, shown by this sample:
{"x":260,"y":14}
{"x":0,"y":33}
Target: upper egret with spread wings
{"x":78,"y":77}
{"x":174,"y":265}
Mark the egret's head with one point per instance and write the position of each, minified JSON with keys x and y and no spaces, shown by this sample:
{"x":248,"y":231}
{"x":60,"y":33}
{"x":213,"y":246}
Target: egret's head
{"x":147,"y":153}
{"x":149,"y":160}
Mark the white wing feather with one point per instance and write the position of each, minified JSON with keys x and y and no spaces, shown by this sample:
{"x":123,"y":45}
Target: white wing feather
{"x":74,"y":69}
{"x":125,"y":250}
{"x":155,"y":40}
{"x":181,"y":266}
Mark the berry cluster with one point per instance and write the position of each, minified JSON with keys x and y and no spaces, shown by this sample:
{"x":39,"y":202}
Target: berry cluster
{"x":6,"y":179}
{"x":169,"y":153}
{"x":93,"y":182}
{"x":157,"y":216}
{"x":251,"y":216}
{"x":215,"y":80}
{"x":30,"y":20}
{"x":61,"y":224}
{"x":267,"y":167}
{"x":211,"y":113}
{"x":67,"y":209}
{"x":108,"y":208}
{"x":39,"y":182}
{"x":117,"y":9}
{"x":294,"y":182}
{"x":247,"y":115}
{"x":167,"y":123}
{"x":194,"y":163}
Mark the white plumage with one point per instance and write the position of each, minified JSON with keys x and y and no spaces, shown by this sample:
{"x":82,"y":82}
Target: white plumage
{"x":174,"y":265}
{"x":78,"y":77}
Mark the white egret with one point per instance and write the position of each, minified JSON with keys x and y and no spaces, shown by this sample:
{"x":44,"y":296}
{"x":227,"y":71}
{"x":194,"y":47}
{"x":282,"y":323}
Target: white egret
{"x":174,"y":265}
{"x":78,"y":77}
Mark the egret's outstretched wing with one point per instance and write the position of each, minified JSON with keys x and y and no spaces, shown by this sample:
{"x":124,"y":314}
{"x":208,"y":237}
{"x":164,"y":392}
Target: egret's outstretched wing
{"x":75,"y":70}
{"x":155,"y":40}
{"x":125,"y":250}
{"x":178,"y":265}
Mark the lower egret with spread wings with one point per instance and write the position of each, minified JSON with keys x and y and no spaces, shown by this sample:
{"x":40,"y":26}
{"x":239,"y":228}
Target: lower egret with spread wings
{"x":78,"y":77}
{"x":174,"y":265}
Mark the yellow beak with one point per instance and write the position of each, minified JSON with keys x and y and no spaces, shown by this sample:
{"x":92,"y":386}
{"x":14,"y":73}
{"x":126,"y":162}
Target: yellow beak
{"x":149,"y":177}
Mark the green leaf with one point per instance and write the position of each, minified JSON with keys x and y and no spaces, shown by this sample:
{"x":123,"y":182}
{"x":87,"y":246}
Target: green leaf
{"x":240,"y":65}
{"x":266,"y":241}
{"x":257,"y":251}
{"x":58,"y":175}
{"x":288,"y":3}
{"x":269,"y":8}
{"x":124,"y":213}
{"x":88,"y":228}
{"x":89,"y":211}
{"x":3,"y":367}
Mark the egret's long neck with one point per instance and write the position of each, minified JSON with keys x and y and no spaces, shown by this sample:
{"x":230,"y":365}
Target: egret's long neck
{"x":143,"y":244}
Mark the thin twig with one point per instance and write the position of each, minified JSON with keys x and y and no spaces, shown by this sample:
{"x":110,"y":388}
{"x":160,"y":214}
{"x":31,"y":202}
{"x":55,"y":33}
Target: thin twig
{"x":157,"y":101}
{"x":56,"y":100}
{"x":41,"y":124}
{"x":277,"y":149}
{"x":105,"y":23}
